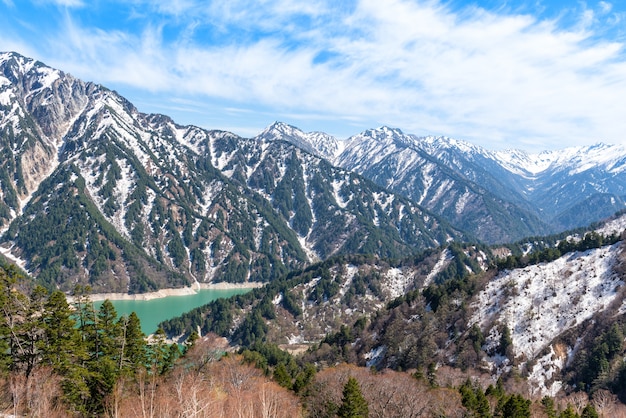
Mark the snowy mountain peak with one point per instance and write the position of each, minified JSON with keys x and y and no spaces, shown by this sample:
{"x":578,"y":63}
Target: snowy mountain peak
{"x":317,"y":143}
{"x":574,"y":160}
{"x":382,"y":133}
{"x":15,"y":66}
{"x":281,"y":128}
{"x":433,"y":144}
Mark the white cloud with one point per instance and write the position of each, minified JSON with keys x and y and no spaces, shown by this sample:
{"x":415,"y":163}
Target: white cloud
{"x":605,"y":7}
{"x":489,"y":77}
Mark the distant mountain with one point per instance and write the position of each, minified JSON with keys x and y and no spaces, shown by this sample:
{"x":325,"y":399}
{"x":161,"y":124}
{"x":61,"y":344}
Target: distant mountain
{"x":497,"y":196}
{"x":317,"y":143}
{"x":95,"y":192}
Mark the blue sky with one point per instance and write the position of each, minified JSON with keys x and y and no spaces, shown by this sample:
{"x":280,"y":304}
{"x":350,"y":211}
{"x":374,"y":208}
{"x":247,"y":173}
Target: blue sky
{"x":519,"y":74}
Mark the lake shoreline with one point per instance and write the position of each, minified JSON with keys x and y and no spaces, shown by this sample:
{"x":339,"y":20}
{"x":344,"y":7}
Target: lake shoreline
{"x":163,"y":293}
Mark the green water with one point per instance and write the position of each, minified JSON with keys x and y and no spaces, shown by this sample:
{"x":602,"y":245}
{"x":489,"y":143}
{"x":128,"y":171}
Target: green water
{"x":152,"y":312}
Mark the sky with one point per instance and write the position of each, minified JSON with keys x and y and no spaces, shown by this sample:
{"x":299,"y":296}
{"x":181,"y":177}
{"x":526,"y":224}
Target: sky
{"x":533,"y":75}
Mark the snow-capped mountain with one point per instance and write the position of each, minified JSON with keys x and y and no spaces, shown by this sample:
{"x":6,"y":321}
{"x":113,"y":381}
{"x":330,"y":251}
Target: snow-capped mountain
{"x":317,"y":143}
{"x":447,"y":180}
{"x":497,"y":196}
{"x":92,"y":191}
{"x":573,"y":186}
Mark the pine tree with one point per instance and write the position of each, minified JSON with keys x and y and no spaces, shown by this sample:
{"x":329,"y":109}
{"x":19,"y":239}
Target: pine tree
{"x":28,"y":330}
{"x":589,"y":412}
{"x":5,"y":337}
{"x":102,"y":336}
{"x":108,"y":329}
{"x":282,"y":376}
{"x":506,"y":342}
{"x":61,"y":346}
{"x":568,"y":413}
{"x":63,"y":349}
{"x":134,"y":350}
{"x":548,"y":404}
{"x":516,"y":407}
{"x":353,"y":404}
{"x":7,"y":334}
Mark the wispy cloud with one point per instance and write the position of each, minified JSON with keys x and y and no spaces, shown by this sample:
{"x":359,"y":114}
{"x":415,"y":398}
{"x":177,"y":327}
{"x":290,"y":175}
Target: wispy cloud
{"x":491,"y":76}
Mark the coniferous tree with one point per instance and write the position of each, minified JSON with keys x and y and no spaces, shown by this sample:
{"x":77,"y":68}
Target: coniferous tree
{"x":103,"y":364}
{"x":282,"y":376}
{"x":353,"y":404}
{"x":589,"y":412}
{"x":7,"y":320}
{"x":5,"y":332}
{"x":515,"y":406}
{"x":28,"y":330}
{"x":108,"y":329}
{"x":61,"y":337}
{"x":548,"y":404}
{"x":134,"y":354}
{"x":568,"y":413}
{"x":62,"y":347}
{"x":506,"y":342}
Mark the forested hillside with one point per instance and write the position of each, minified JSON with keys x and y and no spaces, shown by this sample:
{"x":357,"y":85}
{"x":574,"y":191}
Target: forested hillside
{"x":97,"y":193}
{"x":534,"y":320}
{"x":60,"y":362}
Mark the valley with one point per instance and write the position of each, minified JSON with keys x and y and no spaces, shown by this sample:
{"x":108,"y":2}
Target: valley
{"x":387,"y":256}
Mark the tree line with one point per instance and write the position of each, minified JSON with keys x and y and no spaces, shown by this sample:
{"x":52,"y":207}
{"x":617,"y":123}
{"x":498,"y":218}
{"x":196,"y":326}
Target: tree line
{"x":590,"y":240}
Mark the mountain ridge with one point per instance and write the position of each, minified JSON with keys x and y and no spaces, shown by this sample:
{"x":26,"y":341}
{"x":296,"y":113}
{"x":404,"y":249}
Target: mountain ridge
{"x":185,"y":203}
{"x":517,"y":193}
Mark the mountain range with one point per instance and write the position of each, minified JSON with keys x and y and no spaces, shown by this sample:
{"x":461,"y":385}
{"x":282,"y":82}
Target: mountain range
{"x":385,"y":249}
{"x":92,"y":191}
{"x":498,"y":196}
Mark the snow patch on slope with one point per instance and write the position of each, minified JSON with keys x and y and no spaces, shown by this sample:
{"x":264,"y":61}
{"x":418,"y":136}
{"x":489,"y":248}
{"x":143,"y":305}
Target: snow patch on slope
{"x":613,"y":226}
{"x":438,"y":267}
{"x":396,"y":282}
{"x":541,"y":301}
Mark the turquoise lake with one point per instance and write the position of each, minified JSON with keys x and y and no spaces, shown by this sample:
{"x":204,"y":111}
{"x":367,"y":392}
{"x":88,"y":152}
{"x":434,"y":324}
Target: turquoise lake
{"x":152,"y":312}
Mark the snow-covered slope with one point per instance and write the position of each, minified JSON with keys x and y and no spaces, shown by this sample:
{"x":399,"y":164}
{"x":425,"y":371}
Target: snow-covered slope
{"x":540,"y":302}
{"x":444,"y":176}
{"x":610,"y":158}
{"x":498,"y":196}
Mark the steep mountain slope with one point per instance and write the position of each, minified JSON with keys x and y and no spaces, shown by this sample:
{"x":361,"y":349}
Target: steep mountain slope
{"x":498,"y":196}
{"x":449,"y":184}
{"x":307,"y":305}
{"x":317,"y":143}
{"x":574,"y":186}
{"x":332,"y":210}
{"x":37,"y":112}
{"x":444,"y":180}
{"x":98,"y":193}
{"x":540,"y":302}
{"x":544,"y":323}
